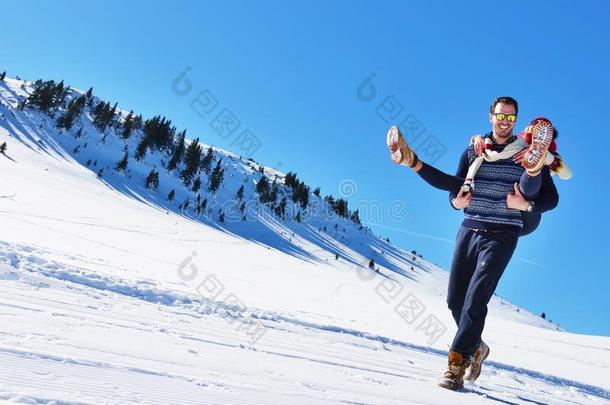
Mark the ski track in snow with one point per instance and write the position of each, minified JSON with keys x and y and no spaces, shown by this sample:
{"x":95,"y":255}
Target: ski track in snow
{"x":37,"y":272}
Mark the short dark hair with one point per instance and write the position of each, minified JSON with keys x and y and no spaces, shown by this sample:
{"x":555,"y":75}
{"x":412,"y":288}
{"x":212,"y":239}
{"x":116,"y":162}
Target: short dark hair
{"x":504,"y":100}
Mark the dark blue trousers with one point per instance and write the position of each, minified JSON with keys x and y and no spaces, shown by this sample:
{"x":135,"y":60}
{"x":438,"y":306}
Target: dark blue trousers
{"x":478,"y":263}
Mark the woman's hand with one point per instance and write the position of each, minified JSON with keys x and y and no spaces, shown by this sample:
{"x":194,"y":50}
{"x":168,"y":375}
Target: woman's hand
{"x":518,"y":157}
{"x":479,"y":144}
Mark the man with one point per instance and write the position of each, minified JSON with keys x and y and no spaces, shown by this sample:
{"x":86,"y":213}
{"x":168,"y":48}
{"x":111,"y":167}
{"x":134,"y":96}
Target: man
{"x":494,"y":212}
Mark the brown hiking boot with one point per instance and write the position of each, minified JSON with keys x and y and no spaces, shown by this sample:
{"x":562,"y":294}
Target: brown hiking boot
{"x":401,"y":153}
{"x":474,"y":371}
{"x":453,"y":378}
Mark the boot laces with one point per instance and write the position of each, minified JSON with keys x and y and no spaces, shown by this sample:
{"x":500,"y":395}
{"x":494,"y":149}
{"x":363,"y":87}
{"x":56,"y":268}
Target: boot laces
{"x":453,"y":371}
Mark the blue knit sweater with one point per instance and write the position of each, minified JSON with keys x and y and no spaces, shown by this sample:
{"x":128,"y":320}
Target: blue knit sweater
{"x":492,"y":183}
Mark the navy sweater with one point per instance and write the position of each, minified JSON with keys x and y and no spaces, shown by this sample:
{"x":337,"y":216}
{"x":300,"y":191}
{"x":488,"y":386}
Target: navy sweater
{"x":493,"y":182}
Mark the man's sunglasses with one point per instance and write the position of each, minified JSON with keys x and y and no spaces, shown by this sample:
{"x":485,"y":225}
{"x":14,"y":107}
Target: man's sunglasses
{"x":510,"y":117}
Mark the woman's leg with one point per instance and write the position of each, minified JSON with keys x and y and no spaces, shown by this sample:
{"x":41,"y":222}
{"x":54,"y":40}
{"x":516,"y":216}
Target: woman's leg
{"x":530,"y":185}
{"x":402,"y":154}
{"x":438,"y":179}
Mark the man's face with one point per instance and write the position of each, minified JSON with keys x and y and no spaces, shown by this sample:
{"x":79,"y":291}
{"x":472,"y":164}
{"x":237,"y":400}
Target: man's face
{"x":503,"y":129}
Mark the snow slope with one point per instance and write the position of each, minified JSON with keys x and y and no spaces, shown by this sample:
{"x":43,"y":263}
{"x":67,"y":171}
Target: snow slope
{"x":110,"y":294}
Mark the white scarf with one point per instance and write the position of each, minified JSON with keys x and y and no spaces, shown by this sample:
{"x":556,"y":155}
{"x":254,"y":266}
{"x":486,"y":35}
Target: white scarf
{"x":491,"y":156}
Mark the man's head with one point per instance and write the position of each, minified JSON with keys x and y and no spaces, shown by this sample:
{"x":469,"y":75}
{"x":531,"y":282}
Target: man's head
{"x":503,"y":117}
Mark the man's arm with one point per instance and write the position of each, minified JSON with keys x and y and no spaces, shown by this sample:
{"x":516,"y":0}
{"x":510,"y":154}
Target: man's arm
{"x":461,"y":172}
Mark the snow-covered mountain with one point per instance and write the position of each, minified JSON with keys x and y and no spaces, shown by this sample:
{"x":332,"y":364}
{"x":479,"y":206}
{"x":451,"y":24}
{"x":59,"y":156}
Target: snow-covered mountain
{"x":112,"y":293}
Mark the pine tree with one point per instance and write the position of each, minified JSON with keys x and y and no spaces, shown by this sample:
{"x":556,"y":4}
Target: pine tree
{"x":79,"y":133}
{"x":240,"y":193}
{"x":89,"y":97}
{"x":263,"y":190}
{"x":280,"y":210}
{"x":355,"y":217}
{"x":47,"y":96}
{"x":217,"y":177}
{"x":303,"y":195}
{"x":2,"y":76}
{"x":221,"y":218}
{"x":137,"y":122}
{"x":196,"y":184}
{"x":171,"y":195}
{"x":206,"y":163}
{"x":122,"y":164}
{"x":103,"y":115}
{"x":141,"y":149}
{"x":340,"y":206}
{"x":192,"y":160}
{"x":127,"y":126}
{"x":61,"y":91}
{"x":112,"y":112}
{"x":291,"y":180}
{"x":300,"y":191}
{"x":74,"y":109}
{"x":100,"y":173}
{"x":152,"y":180}
{"x":316,"y":192}
{"x":178,"y":152}
{"x":274,"y":192}
{"x":159,"y":133}
{"x":3,"y":148}
{"x":99,"y":108}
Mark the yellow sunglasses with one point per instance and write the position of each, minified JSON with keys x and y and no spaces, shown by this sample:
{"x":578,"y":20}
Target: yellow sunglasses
{"x":510,"y":117}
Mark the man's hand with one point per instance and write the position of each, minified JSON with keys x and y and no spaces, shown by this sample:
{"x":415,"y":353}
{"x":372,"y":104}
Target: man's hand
{"x":462,"y":200}
{"x":516,"y":201}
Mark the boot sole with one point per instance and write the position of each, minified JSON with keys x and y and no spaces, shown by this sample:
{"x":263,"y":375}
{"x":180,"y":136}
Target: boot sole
{"x":399,"y":156}
{"x":473,"y":376}
{"x":542,"y":137}
{"x":450,"y":386}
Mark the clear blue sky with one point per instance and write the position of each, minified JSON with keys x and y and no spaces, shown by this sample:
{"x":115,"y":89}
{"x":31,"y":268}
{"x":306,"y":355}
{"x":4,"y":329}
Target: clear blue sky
{"x":289,"y":71}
